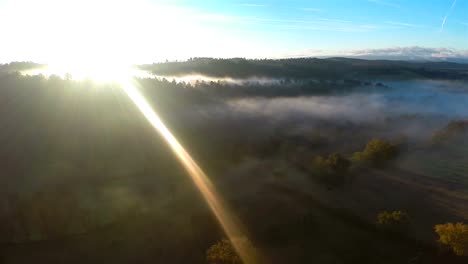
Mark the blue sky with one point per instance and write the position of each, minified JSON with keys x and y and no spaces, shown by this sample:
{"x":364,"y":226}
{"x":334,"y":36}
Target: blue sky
{"x":151,"y":30}
{"x":344,"y":24}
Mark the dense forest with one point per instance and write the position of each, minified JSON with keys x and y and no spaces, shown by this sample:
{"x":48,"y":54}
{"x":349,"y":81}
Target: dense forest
{"x":311,"y":68}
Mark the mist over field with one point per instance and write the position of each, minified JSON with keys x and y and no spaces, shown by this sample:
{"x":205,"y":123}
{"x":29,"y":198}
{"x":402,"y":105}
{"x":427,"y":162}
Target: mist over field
{"x":84,"y":173}
{"x":233,"y":132}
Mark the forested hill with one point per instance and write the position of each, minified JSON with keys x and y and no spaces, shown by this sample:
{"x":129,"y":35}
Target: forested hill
{"x":20,"y":66}
{"x":330,"y":68}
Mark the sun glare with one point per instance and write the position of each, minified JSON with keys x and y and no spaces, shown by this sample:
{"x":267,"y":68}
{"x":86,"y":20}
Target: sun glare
{"x":228,"y":221}
{"x":98,"y":72}
{"x":122,"y":75}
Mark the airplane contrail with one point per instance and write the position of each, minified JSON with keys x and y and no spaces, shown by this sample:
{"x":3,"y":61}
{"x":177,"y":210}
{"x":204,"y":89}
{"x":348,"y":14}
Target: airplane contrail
{"x":446,"y":16}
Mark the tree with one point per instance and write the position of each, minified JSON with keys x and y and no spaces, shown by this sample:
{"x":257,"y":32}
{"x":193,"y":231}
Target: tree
{"x":454,"y":236}
{"x":393,"y":220}
{"x":338,"y":164}
{"x":222,"y":253}
{"x":456,"y":129}
{"x":331,"y":170}
{"x":320,"y":164}
{"x":377,"y":153}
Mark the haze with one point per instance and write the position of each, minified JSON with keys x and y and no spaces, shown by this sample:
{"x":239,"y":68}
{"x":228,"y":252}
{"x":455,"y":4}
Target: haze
{"x":234,"y":132}
{"x":145,"y":31}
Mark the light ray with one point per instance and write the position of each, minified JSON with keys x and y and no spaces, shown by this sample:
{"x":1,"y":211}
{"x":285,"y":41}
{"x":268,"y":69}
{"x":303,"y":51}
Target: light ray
{"x":231,"y":227}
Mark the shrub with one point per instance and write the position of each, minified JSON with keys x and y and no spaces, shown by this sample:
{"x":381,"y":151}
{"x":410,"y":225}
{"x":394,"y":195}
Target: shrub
{"x":377,"y":153}
{"x":454,"y":236}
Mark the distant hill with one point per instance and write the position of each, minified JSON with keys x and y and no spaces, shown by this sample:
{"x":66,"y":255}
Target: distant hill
{"x":315,"y":68}
{"x":422,"y":59}
{"x":20,"y":66}
{"x":412,"y":53}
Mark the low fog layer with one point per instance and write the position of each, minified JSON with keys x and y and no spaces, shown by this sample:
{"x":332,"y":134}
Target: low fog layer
{"x":81,"y":164}
{"x":431,"y":98}
{"x":413,"y":108}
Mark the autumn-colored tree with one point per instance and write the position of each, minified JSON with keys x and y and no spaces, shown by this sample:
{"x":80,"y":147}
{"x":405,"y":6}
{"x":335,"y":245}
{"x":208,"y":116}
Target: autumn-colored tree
{"x":377,"y":153}
{"x":454,"y":236}
{"x":222,"y":253}
{"x":456,"y":129}
{"x":320,"y":164}
{"x":331,"y":170}
{"x":338,"y":164}
{"x":393,"y":220}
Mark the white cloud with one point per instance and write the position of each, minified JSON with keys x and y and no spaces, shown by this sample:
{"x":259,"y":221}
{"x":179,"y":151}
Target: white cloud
{"x":414,"y":51}
{"x":398,"y":53}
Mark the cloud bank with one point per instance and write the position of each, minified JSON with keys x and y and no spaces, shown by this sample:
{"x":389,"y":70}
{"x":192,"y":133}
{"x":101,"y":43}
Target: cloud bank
{"x":394,"y":53}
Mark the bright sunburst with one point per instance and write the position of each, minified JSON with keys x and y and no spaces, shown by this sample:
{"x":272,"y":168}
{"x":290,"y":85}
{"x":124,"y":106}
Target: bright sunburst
{"x":98,"y":72}
{"x":103,"y":72}
{"x":228,"y":221}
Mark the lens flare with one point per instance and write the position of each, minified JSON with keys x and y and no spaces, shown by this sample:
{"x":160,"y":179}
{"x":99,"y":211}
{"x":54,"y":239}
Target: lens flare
{"x":231,"y":227}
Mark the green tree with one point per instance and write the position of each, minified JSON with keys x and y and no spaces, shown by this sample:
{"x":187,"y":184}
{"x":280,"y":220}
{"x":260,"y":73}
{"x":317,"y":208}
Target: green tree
{"x":454,"y":236}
